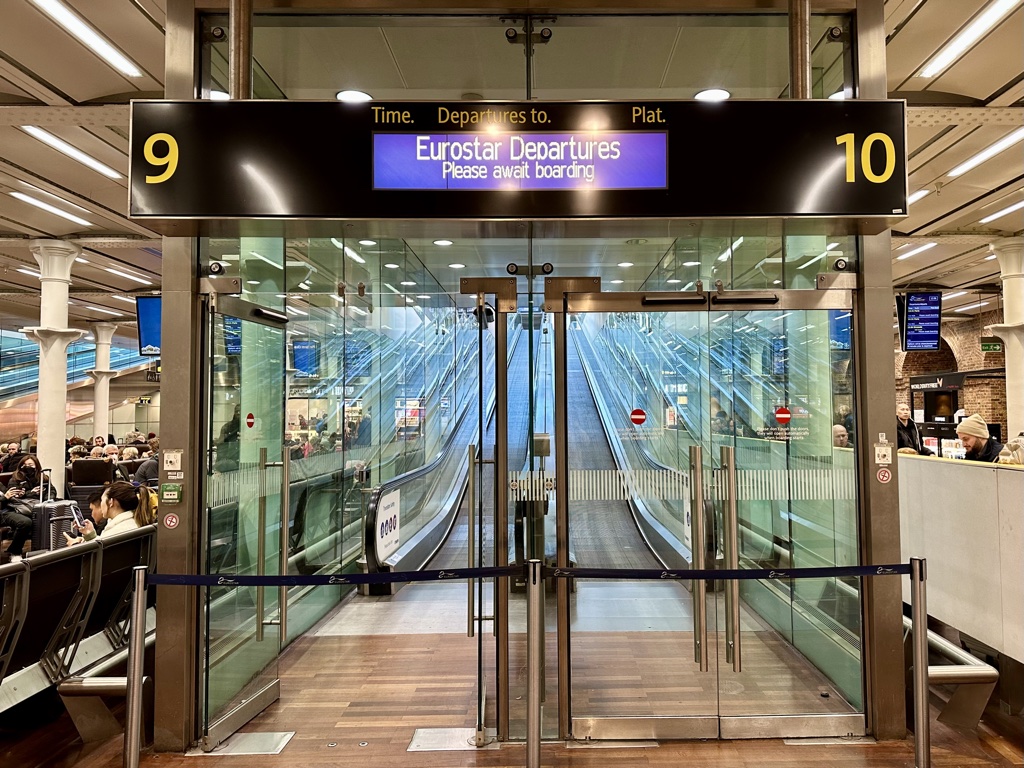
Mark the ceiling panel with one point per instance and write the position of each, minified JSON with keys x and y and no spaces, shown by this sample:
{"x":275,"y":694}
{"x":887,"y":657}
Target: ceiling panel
{"x":923,"y":35}
{"x":987,"y":67}
{"x":129,"y":29}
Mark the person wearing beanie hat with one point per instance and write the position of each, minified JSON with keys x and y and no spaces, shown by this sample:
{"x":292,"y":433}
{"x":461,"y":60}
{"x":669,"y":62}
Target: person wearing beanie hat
{"x":979,"y":446}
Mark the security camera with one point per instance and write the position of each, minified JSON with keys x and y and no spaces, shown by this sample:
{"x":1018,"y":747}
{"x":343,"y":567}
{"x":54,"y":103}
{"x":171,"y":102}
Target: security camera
{"x":841,"y":265}
{"x":835,"y":34}
{"x":218,"y":268}
{"x":511,"y":34}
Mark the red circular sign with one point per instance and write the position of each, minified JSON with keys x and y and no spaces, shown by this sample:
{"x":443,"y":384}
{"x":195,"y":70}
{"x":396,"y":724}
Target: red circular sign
{"x":637,"y":416}
{"x":250,"y":421}
{"x":884,"y":475}
{"x":782,"y":415}
{"x":171,"y":521}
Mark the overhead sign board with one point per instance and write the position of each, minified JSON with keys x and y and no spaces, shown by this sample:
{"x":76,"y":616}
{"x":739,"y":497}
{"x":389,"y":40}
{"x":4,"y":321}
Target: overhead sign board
{"x":542,"y":160}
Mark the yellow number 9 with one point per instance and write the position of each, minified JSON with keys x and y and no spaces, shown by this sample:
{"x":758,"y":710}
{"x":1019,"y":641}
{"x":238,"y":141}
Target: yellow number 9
{"x":170,"y":159}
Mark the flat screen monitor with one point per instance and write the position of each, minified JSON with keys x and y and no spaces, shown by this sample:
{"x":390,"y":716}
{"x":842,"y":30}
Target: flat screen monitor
{"x":306,"y":358}
{"x":147,"y":310}
{"x":232,"y":335}
{"x":919,"y":316}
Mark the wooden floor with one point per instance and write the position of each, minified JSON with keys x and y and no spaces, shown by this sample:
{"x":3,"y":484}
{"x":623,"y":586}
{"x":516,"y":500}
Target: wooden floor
{"x":356,"y":701}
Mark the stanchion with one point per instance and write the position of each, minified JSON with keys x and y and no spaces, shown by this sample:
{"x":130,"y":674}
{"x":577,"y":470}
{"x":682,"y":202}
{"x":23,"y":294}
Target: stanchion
{"x":534,"y":656}
{"x":919,"y":624}
{"x":136,"y":656}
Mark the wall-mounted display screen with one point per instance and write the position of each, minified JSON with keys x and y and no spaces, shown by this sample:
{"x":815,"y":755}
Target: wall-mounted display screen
{"x":147,"y":311}
{"x":306,"y":358}
{"x":919,"y":316}
{"x":232,"y":335}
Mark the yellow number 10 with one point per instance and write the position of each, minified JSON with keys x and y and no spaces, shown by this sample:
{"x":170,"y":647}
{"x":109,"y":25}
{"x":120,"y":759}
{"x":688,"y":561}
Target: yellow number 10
{"x":170,"y":159}
{"x":865,"y":157}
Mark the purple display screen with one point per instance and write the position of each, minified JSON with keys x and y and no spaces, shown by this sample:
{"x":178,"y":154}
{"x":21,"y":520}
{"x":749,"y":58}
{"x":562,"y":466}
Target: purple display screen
{"x":520,"y":161}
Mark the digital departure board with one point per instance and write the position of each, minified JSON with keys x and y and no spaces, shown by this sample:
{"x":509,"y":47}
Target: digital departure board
{"x":920,"y":319}
{"x":330,"y":161}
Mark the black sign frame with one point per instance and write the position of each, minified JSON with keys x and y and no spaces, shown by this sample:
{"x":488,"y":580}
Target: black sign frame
{"x":312,"y":161}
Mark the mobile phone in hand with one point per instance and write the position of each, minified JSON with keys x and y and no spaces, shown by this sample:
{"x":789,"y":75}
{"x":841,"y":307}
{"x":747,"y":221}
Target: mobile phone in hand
{"x":79,"y":517}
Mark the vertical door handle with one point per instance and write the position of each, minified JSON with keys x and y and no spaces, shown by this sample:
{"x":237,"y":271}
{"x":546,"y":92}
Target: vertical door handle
{"x":471,"y":493}
{"x":261,"y":539}
{"x":286,"y":503}
{"x":732,"y":561}
{"x":698,"y":543}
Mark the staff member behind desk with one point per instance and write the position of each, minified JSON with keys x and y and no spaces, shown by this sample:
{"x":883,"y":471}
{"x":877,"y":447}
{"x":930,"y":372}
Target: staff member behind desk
{"x":978,"y":444}
{"x":124,"y":507}
{"x":907,"y":433}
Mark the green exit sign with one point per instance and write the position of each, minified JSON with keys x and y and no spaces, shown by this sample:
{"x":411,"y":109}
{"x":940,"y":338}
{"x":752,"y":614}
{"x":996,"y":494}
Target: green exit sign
{"x":991,"y":346}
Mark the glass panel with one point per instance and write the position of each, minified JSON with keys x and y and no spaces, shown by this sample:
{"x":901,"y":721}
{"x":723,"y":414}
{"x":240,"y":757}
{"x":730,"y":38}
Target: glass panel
{"x":780,"y":380}
{"x":243,"y":509}
{"x":632,"y":379}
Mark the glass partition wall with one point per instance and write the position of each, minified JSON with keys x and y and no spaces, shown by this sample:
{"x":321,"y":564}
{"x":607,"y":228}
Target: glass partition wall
{"x":376,"y":360}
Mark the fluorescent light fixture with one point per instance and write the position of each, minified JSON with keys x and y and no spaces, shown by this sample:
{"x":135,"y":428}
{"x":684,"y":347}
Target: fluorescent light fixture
{"x":123,"y":298}
{"x":73,"y":152}
{"x":456,"y":266}
{"x":80,"y":260}
{"x":990,"y":257}
{"x":367,"y":242}
{"x":391,"y":266}
{"x":831,"y":246}
{"x":408,"y":282}
{"x":354,"y":256}
{"x":729,"y":251}
{"x":409,"y":301}
{"x":304,"y":285}
{"x":954,"y":295}
{"x":1000,"y":146}
{"x":29,"y":272}
{"x":252,"y":282}
{"x":625,"y":263}
{"x":50,"y":208}
{"x":915,"y":251}
{"x":971,"y":306}
{"x":992,"y":14}
{"x":261,"y":257}
{"x":1005,"y":212}
{"x":89,"y":37}
{"x":219,"y":96}
{"x":838,"y":96}
{"x":423,"y":296}
{"x":673,"y":281}
{"x":691,"y":263}
{"x":128,"y":276}
{"x":617,"y":282}
{"x":104,"y":311}
{"x":353,"y":97}
{"x":919,"y":195}
{"x":776,"y":282}
{"x":443,"y":243}
{"x":713,"y":94}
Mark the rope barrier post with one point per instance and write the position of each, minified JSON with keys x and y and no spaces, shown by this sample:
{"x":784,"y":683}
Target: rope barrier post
{"x":534,"y":655}
{"x":919,"y":619}
{"x":136,"y":656}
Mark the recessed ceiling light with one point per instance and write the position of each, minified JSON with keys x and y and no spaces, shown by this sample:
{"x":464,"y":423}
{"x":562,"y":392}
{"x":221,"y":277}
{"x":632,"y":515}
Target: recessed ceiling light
{"x":673,"y":280}
{"x":625,"y":263}
{"x":1005,"y":212}
{"x":50,"y":208}
{"x":219,"y":96}
{"x":691,"y":263}
{"x":443,"y":243}
{"x":367,"y":242}
{"x":713,"y":94}
{"x":776,"y":282}
{"x":73,"y":152}
{"x":457,"y":266}
{"x":423,"y":296}
{"x":637,"y":241}
{"x":983,"y":22}
{"x":353,"y":97}
{"x":617,"y":282}
{"x":989,"y":152}
{"x":920,"y":194}
{"x":915,"y":251}
{"x":409,"y":301}
{"x":92,"y":39}
{"x":252,"y":282}
{"x":408,"y":282}
{"x":390,"y":266}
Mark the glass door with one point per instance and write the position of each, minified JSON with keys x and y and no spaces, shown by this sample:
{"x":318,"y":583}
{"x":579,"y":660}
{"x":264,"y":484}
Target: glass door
{"x":244,"y":502}
{"x":784,"y":493}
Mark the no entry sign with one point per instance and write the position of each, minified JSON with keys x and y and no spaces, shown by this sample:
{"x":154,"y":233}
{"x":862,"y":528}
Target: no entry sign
{"x":637,"y":416}
{"x":782,"y":415}
{"x":250,"y":421}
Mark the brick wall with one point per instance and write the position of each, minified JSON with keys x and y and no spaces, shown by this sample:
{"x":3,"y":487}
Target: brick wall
{"x":960,"y":351}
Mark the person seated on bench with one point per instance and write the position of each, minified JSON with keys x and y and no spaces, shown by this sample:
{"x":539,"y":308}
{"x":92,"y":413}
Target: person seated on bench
{"x":15,"y":503}
{"x":28,"y":478}
{"x":124,"y":507}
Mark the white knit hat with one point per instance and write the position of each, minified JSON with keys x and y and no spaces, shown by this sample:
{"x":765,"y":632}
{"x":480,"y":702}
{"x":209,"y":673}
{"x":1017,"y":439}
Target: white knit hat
{"x":974,"y":426}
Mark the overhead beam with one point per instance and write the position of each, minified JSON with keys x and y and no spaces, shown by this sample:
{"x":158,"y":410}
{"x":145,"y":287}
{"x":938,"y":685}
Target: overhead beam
{"x":91,"y":117}
{"x":937,"y":117}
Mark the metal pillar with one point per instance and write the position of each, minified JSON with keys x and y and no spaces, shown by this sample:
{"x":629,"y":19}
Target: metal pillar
{"x":501,"y":585}
{"x":875,"y":406}
{"x":562,"y":520}
{"x":799,"y":49}
{"x":1010,"y":252}
{"x":919,"y":611}
{"x":54,"y":258}
{"x":136,"y":660}
{"x":240,"y":49}
{"x":178,"y":643}
{"x":534,"y":660}
{"x":101,"y":375}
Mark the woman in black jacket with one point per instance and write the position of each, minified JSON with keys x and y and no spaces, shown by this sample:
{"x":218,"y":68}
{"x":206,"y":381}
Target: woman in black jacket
{"x":15,"y":502}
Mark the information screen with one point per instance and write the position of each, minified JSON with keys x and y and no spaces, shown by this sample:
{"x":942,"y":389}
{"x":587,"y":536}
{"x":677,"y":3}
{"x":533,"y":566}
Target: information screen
{"x":232,"y":335}
{"x":147,"y":310}
{"x":306,"y":358}
{"x":920,"y":318}
{"x":520,"y":161}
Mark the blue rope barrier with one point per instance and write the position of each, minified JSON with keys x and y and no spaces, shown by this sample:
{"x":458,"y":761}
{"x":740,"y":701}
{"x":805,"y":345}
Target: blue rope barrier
{"x":231,"y":580}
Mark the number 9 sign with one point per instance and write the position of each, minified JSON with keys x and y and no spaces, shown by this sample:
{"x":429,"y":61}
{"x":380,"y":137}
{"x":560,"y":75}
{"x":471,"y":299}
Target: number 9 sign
{"x":170,"y":159}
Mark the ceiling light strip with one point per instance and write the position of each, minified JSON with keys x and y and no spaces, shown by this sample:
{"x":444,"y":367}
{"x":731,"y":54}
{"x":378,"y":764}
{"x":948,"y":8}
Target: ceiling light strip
{"x":88,"y":36}
{"x":50,"y":208}
{"x":73,"y":152}
{"x":994,"y":13}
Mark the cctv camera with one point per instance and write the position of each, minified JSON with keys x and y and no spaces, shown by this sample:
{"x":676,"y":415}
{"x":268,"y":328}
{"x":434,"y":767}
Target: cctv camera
{"x":841,"y":265}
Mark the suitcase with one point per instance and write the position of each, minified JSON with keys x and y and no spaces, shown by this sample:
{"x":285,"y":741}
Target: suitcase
{"x":50,"y":520}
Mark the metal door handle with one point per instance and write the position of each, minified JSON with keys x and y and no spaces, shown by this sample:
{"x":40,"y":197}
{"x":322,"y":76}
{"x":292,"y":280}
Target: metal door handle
{"x":698,"y":543}
{"x":286,"y":499}
{"x":471,"y":494}
{"x":261,"y":540}
{"x":732,"y":561}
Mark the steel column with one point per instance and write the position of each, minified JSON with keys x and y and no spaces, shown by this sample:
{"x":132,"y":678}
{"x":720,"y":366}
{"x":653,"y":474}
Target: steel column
{"x":799,"y":49}
{"x":919,"y":611}
{"x":562,"y":520}
{"x":240,"y":49}
{"x":501,"y":585}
